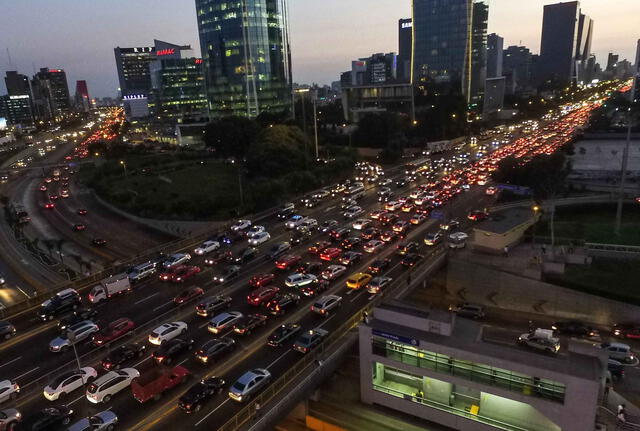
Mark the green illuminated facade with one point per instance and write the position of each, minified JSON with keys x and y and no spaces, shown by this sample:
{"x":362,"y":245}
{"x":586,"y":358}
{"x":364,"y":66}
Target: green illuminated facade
{"x":245,"y":47}
{"x":178,"y":89}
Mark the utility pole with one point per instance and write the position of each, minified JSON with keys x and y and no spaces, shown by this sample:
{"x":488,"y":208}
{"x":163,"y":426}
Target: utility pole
{"x":623,"y":175}
{"x":315,"y":120}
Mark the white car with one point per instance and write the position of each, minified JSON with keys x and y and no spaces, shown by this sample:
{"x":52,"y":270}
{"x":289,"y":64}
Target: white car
{"x":101,"y":390}
{"x":353,"y":212}
{"x":294,"y":221}
{"x":248,"y":384}
{"x":259,"y":238}
{"x":325,"y":304}
{"x":69,"y":382}
{"x":224,"y":321}
{"x":374,"y":245}
{"x":333,"y":271}
{"x":308,"y":223}
{"x":299,"y":280}
{"x":393,"y":206}
{"x":207,"y":247}
{"x":176,"y":259}
{"x":167,"y":332}
{"x":255,"y":230}
{"x":75,"y":334}
{"x":241,"y":225}
{"x":8,"y":390}
{"x":376,"y":285}
{"x":361,"y":223}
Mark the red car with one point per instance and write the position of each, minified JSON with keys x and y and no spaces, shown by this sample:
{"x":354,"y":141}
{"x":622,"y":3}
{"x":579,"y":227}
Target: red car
{"x":79,"y":227}
{"x":53,"y":197}
{"x":477,"y":215}
{"x":187,"y":294}
{"x":318,"y":247}
{"x":82,"y":212}
{"x":261,"y":280}
{"x":49,"y":205}
{"x":286,"y":262}
{"x":262,"y":295}
{"x":330,"y":253}
{"x":43,"y":188}
{"x":183,"y":272}
{"x":115,"y":330}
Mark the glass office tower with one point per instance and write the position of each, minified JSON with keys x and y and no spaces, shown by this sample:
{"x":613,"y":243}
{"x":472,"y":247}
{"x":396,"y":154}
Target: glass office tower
{"x":245,"y":47}
{"x":450,"y":44}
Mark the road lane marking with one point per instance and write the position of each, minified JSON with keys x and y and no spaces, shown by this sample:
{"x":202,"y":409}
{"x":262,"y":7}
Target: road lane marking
{"x":11,"y":362}
{"x":326,"y":321}
{"x":28,"y":372}
{"x":78,"y":399}
{"x":279,"y":357}
{"x":358,"y":295}
{"x":145,"y":359}
{"x":163,"y":305}
{"x":212,"y":412}
{"x":146,"y":299}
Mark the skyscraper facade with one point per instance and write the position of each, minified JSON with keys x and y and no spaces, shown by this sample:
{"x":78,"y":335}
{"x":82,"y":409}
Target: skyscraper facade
{"x":450,"y":44}
{"x":245,"y":47}
{"x":637,"y":66}
{"x":133,"y":69}
{"x":83,"y":102}
{"x":50,"y":94}
{"x":559,"y":45}
{"x":178,"y":88}
{"x":495,"y":54}
{"x":17,"y":84}
{"x":405,"y":46}
{"x":518,"y":63}
{"x":583,"y":48}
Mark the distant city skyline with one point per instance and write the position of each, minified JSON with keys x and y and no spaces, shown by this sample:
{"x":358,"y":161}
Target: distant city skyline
{"x":325,"y":36}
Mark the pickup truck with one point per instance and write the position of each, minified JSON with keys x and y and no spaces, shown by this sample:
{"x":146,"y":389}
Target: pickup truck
{"x":249,"y":323}
{"x":156,"y":381}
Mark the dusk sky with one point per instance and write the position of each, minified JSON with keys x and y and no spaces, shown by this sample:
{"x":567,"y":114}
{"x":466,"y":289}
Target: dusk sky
{"x":79,"y":36}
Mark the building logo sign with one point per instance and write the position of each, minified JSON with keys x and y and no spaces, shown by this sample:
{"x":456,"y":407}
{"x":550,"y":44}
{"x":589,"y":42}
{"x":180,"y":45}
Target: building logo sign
{"x":168,"y":51}
{"x":393,"y":337}
{"x":407,"y":24}
{"x":198,"y":61}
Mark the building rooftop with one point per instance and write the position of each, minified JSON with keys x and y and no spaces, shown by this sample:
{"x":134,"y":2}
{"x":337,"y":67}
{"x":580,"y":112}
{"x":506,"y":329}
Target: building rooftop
{"x":467,"y":336}
{"x":504,"y":221}
{"x":431,"y":314}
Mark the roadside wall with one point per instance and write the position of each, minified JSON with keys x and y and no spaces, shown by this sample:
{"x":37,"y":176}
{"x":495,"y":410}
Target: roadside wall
{"x":490,"y":287}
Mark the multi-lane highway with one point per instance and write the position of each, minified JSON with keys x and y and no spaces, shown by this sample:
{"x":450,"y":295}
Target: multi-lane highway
{"x":27,"y":360}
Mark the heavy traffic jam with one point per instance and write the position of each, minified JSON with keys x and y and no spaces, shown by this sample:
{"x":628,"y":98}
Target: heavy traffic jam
{"x":230,"y":314}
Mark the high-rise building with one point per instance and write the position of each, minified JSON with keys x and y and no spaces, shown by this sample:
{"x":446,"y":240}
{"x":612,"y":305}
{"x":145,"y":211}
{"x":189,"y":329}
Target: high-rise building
{"x":17,"y":110}
{"x":178,"y":88}
{"x":637,"y":66}
{"x":50,"y":94}
{"x":559,"y":44}
{"x":583,"y":47}
{"x":495,"y":54}
{"x":612,"y":60}
{"x":405,"y":46}
{"x":450,"y":44}
{"x":245,"y":47}
{"x":17,"y":84}
{"x":133,"y":69}
{"x":517,"y":62}
{"x":83,"y":102}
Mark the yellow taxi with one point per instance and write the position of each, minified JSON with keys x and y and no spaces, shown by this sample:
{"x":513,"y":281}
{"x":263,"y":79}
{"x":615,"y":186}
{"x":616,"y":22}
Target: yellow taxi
{"x":358,"y":280}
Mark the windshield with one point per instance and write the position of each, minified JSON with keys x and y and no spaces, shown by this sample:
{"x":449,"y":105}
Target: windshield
{"x":239,"y":386}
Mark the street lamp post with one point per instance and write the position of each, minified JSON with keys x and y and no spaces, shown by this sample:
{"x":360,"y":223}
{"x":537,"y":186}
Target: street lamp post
{"x":535,"y":208}
{"x":72,"y":338}
{"x":124,"y":167}
{"x":315,"y":120}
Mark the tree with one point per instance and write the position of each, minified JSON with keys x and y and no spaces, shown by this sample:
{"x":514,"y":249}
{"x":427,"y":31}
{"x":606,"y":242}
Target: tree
{"x":376,"y":130}
{"x":280,"y":150}
{"x":231,"y":136}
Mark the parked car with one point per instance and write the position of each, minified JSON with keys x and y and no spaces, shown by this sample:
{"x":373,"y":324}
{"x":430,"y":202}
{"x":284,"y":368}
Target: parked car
{"x":249,"y":384}
{"x":107,"y":385}
{"x":326,"y":304}
{"x":198,"y":394}
{"x":309,"y":339}
{"x":214,"y":349}
{"x":209,"y":306}
{"x":282,"y":334}
{"x":171,"y":349}
{"x":123,"y":354}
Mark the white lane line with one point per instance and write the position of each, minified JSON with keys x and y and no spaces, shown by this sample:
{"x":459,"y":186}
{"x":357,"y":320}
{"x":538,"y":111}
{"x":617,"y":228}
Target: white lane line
{"x":145,"y":359}
{"x":183,"y":361}
{"x":358,"y":295}
{"x":350,"y":291}
{"x":11,"y":361}
{"x":325,"y":322}
{"x":212,"y":412}
{"x":279,"y":357}
{"x":146,"y":299}
{"x":163,"y":305}
{"x":28,"y":372}
{"x":78,"y":399}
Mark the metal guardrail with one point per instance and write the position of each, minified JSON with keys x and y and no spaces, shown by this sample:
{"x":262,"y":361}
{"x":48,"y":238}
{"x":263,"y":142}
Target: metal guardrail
{"x":248,"y":412}
{"x":591,"y":246}
{"x":577,"y":200}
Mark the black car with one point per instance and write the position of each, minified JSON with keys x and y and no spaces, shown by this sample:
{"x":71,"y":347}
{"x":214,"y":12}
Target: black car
{"x":277,"y":250}
{"x":411,"y":259}
{"x":99,"y":242}
{"x":229,"y":273}
{"x":7,"y":330}
{"x":300,"y":236}
{"x":350,"y":258}
{"x":122,"y":355}
{"x":217,"y":257}
{"x":208,"y":306}
{"x":245,"y":255}
{"x":281,"y":303}
{"x":315,"y":289}
{"x":402,"y":182}
{"x":312,"y":203}
{"x":170,"y":349}
{"x":214,"y":349}
{"x":50,"y":418}
{"x":224,"y":238}
{"x":78,"y":316}
{"x":200,"y":393}
{"x":61,"y":303}
{"x":309,"y":339}
{"x":574,"y":328}
{"x":407,"y":248}
{"x":379,"y":265}
{"x":351,"y":243}
{"x":314,"y":268}
{"x":286,"y":213}
{"x":370,"y":233}
{"x":339,"y":234}
{"x":616,"y":369}
{"x":328,"y":225}
{"x":282,"y":334}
